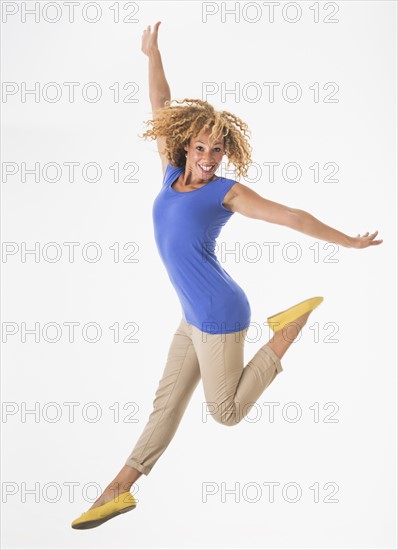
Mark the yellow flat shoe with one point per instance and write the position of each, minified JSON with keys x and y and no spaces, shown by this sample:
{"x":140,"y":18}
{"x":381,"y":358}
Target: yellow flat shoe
{"x":283,"y":318}
{"x":94,"y":517}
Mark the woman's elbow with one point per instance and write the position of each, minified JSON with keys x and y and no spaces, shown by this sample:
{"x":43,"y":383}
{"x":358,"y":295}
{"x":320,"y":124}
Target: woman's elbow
{"x":288,"y":217}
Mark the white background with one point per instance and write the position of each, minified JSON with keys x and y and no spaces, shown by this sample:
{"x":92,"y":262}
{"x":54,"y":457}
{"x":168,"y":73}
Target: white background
{"x":357,"y":372}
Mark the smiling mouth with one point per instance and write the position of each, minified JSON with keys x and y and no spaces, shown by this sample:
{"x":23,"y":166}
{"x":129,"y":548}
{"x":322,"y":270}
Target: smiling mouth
{"x":207,"y":169}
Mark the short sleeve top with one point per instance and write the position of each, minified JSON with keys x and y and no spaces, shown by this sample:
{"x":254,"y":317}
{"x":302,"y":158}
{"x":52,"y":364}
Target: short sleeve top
{"x":186,"y":226}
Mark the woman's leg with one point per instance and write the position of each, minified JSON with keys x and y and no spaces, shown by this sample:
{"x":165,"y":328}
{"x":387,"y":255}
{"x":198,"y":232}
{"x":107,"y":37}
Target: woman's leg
{"x":180,"y":377}
{"x":231,"y":389}
{"x":179,"y":380}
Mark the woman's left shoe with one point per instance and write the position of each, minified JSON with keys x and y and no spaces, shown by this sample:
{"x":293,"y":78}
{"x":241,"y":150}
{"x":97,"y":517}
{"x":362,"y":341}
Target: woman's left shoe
{"x":287,"y":316}
{"x":96,"y":516}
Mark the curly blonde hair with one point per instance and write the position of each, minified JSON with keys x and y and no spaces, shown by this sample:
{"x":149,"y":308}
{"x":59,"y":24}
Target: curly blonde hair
{"x":178,"y":123}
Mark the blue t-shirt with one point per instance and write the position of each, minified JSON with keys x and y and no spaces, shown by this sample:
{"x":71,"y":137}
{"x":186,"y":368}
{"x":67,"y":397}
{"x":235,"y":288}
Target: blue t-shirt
{"x":186,"y":225}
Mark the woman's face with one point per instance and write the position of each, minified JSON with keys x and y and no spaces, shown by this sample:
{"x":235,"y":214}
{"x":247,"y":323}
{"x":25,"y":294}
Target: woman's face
{"x":204,"y":158}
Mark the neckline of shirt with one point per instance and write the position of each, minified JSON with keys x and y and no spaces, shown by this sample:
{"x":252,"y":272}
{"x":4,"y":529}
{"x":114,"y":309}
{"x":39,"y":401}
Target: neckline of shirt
{"x":193,"y":190}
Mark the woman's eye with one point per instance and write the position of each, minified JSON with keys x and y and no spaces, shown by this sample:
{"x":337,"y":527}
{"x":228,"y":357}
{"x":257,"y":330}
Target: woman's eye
{"x":218,"y":149}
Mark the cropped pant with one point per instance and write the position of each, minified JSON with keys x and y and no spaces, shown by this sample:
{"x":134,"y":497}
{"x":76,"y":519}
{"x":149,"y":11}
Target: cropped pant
{"x":231,"y":389}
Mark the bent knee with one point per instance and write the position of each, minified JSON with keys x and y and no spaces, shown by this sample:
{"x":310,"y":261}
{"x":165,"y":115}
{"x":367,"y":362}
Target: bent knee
{"x":227,"y":414}
{"x":226,"y":419}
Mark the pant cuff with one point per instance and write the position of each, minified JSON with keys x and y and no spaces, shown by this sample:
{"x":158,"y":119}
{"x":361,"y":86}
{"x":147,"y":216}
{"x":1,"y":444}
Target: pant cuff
{"x":138,"y":466}
{"x":277,"y":362}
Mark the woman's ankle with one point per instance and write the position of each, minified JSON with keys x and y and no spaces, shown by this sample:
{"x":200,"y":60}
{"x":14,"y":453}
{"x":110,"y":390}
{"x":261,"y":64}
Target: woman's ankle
{"x":119,"y":486}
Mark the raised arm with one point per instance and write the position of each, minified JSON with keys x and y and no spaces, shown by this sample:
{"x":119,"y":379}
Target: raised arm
{"x":244,"y":200}
{"x":159,"y":90}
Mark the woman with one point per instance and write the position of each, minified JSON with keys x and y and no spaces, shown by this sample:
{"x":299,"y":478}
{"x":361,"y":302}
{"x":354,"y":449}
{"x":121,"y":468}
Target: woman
{"x":188,"y":214}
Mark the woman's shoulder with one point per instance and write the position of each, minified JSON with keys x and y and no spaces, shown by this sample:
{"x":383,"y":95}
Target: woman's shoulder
{"x":170,"y":172}
{"x":172,"y":168}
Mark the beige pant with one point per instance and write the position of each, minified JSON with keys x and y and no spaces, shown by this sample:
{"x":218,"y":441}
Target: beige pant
{"x":230,"y":389}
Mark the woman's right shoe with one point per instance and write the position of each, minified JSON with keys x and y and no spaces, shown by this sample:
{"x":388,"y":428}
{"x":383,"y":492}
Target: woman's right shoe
{"x":96,"y":516}
{"x":287,"y":316}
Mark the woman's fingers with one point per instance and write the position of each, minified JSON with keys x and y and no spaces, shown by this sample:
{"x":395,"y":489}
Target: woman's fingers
{"x":155,"y":28}
{"x":368,"y":239}
{"x":155,"y":31}
{"x":150,"y":38}
{"x":372,"y":236}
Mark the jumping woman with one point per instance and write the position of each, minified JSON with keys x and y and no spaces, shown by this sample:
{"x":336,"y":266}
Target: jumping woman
{"x":192,"y":206}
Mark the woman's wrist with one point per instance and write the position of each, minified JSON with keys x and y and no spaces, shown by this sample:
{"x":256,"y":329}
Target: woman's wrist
{"x":153,"y":52}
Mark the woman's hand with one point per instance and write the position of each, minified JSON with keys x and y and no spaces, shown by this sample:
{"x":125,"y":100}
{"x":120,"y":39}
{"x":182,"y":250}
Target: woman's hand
{"x":149,"y":42}
{"x":364,"y":241}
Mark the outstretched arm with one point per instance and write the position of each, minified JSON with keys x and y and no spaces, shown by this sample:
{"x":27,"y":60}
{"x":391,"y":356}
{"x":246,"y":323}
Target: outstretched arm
{"x":159,"y":90}
{"x":249,"y":203}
